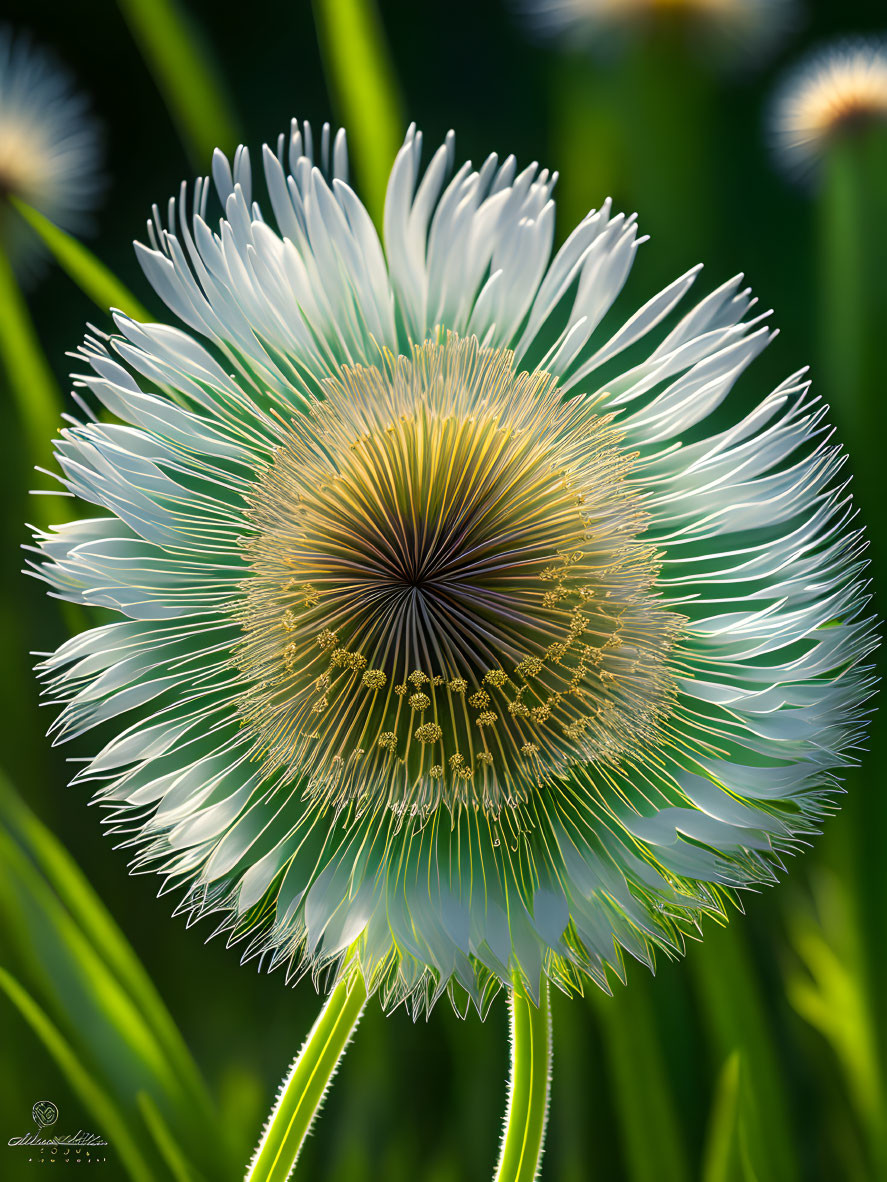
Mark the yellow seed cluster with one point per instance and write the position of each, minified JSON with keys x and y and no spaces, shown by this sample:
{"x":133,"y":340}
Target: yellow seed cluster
{"x":553,"y":598}
{"x":429,"y":732}
{"x":459,"y":768}
{"x":343,"y":659}
{"x":528,"y":667}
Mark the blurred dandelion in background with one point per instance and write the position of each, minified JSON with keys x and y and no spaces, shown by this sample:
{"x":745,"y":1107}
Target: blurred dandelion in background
{"x":50,"y":147}
{"x":836,"y":93}
{"x":828,"y":129}
{"x":744,"y":30}
{"x":458,"y":652}
{"x":636,"y":105}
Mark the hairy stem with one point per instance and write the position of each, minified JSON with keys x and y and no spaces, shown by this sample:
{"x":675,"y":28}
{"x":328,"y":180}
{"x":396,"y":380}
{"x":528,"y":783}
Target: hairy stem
{"x":524,"y":1135}
{"x":304,"y":1088}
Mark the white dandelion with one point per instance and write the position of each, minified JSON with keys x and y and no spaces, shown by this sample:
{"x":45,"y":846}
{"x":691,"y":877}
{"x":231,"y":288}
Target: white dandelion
{"x":50,"y":146}
{"x":835,"y":93}
{"x":739,"y":29}
{"x":453,"y":645}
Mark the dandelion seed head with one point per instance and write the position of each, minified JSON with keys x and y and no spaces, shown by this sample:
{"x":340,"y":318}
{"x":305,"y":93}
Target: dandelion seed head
{"x":465,"y":630}
{"x":737,"y":30}
{"x":50,"y":147}
{"x":835,"y":93}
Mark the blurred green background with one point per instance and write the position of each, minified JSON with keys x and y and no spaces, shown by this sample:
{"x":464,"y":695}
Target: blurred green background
{"x":761,"y":1055}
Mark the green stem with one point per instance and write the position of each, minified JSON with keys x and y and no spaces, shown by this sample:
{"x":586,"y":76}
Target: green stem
{"x":524,"y":1136}
{"x":588,"y":138}
{"x":843,"y":234}
{"x":305,"y":1086}
{"x":852,"y":292}
{"x":639,"y":130}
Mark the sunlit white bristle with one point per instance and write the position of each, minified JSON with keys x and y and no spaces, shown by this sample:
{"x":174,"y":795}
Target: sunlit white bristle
{"x":836,"y":93}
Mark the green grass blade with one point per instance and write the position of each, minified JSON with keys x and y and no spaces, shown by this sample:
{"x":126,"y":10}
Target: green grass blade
{"x":723,"y":1160}
{"x":306,"y":1085}
{"x":363,"y":85}
{"x":30,"y":383}
{"x":170,"y":1151}
{"x":88,"y":912}
{"x":111,"y":1122}
{"x":33,"y":389}
{"x":96,"y":1014}
{"x":651,"y":1130}
{"x":29,"y":378}
{"x":730,"y":998}
{"x":84,"y":993}
{"x":185,"y":76}
{"x":523,"y":1137}
{"x":93,"y":278}
{"x":826,"y":987}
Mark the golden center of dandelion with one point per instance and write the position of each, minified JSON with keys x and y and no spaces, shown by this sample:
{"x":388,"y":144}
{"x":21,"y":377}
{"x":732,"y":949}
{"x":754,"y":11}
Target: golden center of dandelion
{"x":846,"y":94}
{"x":23,"y":161}
{"x":448,"y":600}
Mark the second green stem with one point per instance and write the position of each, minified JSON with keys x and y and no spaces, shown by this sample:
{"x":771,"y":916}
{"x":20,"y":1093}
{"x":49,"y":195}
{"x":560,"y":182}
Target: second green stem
{"x":527,"y":1115}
